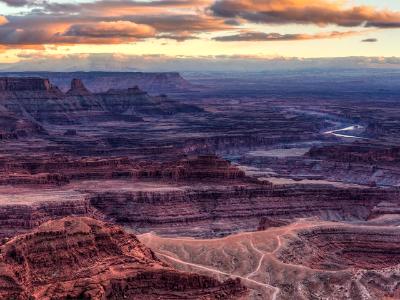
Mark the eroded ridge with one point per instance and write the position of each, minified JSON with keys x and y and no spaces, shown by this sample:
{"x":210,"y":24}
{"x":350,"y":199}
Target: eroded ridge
{"x":81,"y":258}
{"x":344,"y":246}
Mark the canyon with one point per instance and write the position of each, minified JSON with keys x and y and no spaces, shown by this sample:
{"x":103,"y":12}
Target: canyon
{"x":152,"y":185}
{"x":98,"y":261}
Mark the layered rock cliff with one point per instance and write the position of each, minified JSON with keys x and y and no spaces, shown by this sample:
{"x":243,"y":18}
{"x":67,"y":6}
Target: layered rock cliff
{"x":217,"y":210}
{"x":11,"y":84}
{"x":38,"y":99}
{"x":103,"y":81}
{"x":63,"y":169}
{"x":13,"y":126}
{"x":135,"y":101}
{"x":340,"y":247}
{"x":81,"y":258}
{"x":82,"y":97}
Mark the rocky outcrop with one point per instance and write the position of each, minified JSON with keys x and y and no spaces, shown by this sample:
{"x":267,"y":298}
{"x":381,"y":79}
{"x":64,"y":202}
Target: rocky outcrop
{"x":340,"y":247}
{"x":78,"y":88}
{"x":207,"y":167}
{"x":81,"y":258}
{"x":82,"y":99}
{"x":63,"y":169}
{"x":373,"y":168}
{"x":200,"y":208}
{"x":43,"y":102}
{"x":14,"y":127}
{"x":268,"y":222}
{"x":358,"y":153}
{"x":195,"y":168}
{"x":11,"y":84}
{"x":20,"y":218}
{"x":217,"y":210}
{"x":36,"y":98}
{"x":135,"y":101}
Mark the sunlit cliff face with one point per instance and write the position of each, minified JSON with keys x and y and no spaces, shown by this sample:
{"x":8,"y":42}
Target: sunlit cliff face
{"x":198,"y":28}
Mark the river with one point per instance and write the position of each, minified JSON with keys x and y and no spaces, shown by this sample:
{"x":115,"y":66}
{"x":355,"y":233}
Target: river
{"x":337,"y":132}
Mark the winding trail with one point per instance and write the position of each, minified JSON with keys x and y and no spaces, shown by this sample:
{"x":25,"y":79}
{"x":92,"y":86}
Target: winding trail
{"x":263,"y":255}
{"x":260,"y":261}
{"x":278,"y":237}
{"x":264,"y":285}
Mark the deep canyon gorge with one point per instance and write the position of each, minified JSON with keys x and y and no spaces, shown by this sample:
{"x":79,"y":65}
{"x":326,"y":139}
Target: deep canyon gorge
{"x":166,"y":186}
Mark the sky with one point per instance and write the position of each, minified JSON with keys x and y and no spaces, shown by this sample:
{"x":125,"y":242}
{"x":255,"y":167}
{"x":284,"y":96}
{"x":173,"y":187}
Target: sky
{"x":47,"y":30}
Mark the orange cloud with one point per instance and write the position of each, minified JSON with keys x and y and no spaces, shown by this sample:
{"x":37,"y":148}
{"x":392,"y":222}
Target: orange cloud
{"x":3,"y":20}
{"x":78,"y":29}
{"x":112,"y":8}
{"x":320,"y":12}
{"x":125,"y":21}
{"x":117,"y":29}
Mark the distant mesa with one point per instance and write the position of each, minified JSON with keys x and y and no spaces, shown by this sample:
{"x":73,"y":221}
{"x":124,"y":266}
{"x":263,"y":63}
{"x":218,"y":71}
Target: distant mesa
{"x":101,"y":82}
{"x":37,"y":99}
{"x":129,"y":91}
{"x":78,"y":88}
{"x":25,"y":84}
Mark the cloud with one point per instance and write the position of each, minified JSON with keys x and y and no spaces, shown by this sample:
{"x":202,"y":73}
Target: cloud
{"x":51,"y":30}
{"x":183,"y":22}
{"x":16,"y":2}
{"x":372,"y":40}
{"x":320,"y":12}
{"x":3,"y":20}
{"x":118,"y":29}
{"x":179,"y":37}
{"x":108,"y":22}
{"x":64,"y":34}
{"x":43,"y":22}
{"x":268,"y":37}
{"x":123,"y":7}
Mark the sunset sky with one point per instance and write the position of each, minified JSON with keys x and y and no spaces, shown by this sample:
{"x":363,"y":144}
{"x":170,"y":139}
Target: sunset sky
{"x":31,"y":29}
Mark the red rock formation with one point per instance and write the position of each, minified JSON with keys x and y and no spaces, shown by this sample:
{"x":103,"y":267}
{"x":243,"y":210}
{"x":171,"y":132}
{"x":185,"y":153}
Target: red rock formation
{"x":82,"y":99}
{"x":20,"y":218}
{"x":207,"y":167}
{"x":200,"y":168}
{"x":358,"y":153}
{"x":78,"y":88}
{"x":59,"y":169}
{"x":34,"y":97}
{"x":135,"y":101}
{"x":81,"y":258}
{"x":344,"y":246}
{"x":215,"y":210}
{"x":14,"y":127}
{"x":268,"y":222}
{"x":17,"y":84}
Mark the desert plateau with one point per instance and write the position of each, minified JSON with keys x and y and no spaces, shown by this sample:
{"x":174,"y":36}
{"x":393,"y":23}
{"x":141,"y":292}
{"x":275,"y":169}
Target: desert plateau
{"x":154,"y":196}
{"x":199,"y":150}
